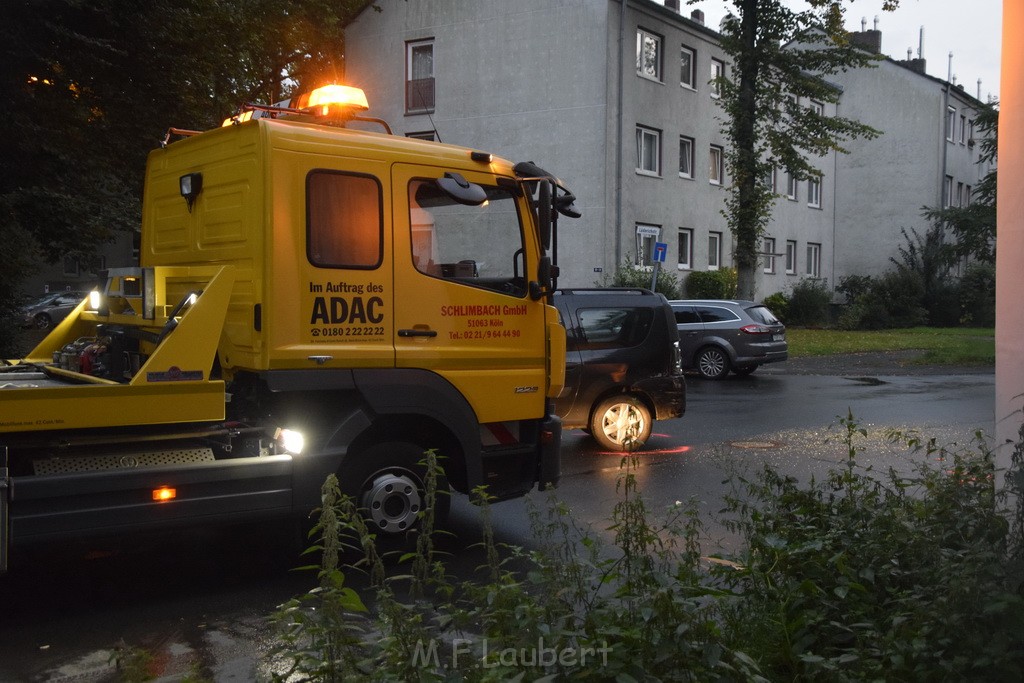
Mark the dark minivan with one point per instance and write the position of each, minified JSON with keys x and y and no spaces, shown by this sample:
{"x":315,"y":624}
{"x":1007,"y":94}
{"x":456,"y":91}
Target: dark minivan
{"x":622,"y":364}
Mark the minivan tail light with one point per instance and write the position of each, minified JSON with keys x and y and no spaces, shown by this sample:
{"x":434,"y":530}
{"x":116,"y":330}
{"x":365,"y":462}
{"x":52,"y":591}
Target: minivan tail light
{"x":755,"y":329}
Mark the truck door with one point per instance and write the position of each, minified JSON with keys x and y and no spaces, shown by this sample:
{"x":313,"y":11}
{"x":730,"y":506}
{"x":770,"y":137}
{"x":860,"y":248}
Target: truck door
{"x":462,"y":307}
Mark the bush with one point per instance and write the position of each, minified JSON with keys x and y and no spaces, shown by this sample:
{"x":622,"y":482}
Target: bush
{"x":808,"y":303}
{"x":978,"y":295}
{"x":892,"y":300}
{"x":711,"y":284}
{"x":778,"y":304}
{"x":630,"y":275}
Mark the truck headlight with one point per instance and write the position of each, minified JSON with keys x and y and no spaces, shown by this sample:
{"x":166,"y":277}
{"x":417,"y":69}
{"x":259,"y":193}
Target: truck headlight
{"x":291,"y":441}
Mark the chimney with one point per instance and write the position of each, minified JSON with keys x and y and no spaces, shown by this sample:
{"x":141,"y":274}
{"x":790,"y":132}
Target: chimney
{"x":672,"y":5}
{"x":698,"y":16}
{"x":867,"y":40}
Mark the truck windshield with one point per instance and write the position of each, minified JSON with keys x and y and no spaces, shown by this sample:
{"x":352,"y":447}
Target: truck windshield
{"x":481,"y":246}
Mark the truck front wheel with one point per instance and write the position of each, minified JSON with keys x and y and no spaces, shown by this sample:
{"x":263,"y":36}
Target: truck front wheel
{"x":387,"y":483}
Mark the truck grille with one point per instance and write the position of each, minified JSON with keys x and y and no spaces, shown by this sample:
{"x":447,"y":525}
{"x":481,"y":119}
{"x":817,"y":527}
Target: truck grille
{"x":96,"y":463}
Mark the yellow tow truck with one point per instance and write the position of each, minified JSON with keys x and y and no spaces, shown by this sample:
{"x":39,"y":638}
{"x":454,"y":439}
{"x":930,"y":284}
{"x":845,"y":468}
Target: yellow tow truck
{"x":312,"y":297}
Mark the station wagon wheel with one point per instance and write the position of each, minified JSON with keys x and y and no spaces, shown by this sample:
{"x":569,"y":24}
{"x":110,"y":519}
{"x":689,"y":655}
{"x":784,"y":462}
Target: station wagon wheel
{"x":621,"y":423}
{"x":42,"y":321}
{"x":387,"y":483}
{"x":712,"y":363}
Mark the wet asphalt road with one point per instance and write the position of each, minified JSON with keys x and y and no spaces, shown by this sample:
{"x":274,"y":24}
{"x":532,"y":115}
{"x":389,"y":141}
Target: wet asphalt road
{"x":198,"y":602}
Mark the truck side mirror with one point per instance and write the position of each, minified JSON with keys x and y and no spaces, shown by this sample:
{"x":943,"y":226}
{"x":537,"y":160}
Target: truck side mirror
{"x":544,"y":214}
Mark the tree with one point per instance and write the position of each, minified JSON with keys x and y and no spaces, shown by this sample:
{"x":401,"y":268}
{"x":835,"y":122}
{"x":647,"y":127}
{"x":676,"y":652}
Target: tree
{"x":780,"y":58}
{"x":974,"y":226}
{"x":90,"y":87}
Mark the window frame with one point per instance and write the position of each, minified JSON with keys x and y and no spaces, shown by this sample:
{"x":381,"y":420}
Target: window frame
{"x":641,"y":133}
{"x":688,"y":234}
{"x":768,"y":250}
{"x":689,"y":156}
{"x":717,"y":70}
{"x":692,"y":83}
{"x":791,"y":187}
{"x":791,"y":264}
{"x":718,"y":167}
{"x":814,"y":260}
{"x":950,"y":123}
{"x":715,"y":252}
{"x":947,"y":189}
{"x":410,"y":46}
{"x":814,"y":193}
{"x":659,"y":41}
{"x":643,"y":252}
{"x":309,"y":231}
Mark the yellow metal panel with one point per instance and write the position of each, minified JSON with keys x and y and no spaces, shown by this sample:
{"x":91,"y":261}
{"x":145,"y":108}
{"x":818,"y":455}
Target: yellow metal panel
{"x":109,"y":405}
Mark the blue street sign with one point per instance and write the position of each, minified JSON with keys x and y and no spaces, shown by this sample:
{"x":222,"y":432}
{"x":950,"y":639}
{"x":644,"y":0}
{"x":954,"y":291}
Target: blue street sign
{"x":660,"y":250}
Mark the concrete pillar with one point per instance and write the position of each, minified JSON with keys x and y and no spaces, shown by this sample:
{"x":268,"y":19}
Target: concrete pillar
{"x":1010,"y":236}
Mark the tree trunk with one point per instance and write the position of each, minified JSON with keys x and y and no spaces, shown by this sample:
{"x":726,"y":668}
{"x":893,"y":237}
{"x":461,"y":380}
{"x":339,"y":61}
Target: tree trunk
{"x":746,"y":220}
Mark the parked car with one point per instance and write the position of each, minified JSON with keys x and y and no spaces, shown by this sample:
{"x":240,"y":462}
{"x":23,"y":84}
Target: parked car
{"x":717,"y":335}
{"x":50,"y":309}
{"x":622,"y":364}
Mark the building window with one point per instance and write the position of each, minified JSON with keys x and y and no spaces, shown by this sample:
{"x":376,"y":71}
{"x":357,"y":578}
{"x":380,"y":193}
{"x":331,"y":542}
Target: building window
{"x":963,"y":129}
{"x":687,"y":64}
{"x":768,"y":248}
{"x":685,"y":248}
{"x":814,"y":193}
{"x":773,"y":180}
{"x":790,"y":257}
{"x":947,"y":192}
{"x":423,"y":135}
{"x":717,"y":72}
{"x":685,"y":157}
{"x":950,"y":123}
{"x":646,"y":236}
{"x":648,"y":151}
{"x":419,"y":76}
{"x":970,"y":132}
{"x":818,"y":108}
{"x":960,"y":195}
{"x":714,"y":250}
{"x":70,"y":266}
{"x":648,"y":55}
{"x":791,"y":186}
{"x":716,"y":165}
{"x":813,"y":260}
{"x":967,"y":196}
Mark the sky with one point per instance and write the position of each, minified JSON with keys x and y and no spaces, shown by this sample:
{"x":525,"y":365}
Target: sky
{"x":970,"y":29}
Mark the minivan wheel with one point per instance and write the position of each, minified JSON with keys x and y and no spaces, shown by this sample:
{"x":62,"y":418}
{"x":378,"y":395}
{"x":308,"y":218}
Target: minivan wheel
{"x":621,"y":423}
{"x":712,"y":363}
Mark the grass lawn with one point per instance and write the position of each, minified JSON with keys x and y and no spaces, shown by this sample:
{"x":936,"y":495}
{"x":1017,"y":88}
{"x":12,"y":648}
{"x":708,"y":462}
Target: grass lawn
{"x":942,"y":345}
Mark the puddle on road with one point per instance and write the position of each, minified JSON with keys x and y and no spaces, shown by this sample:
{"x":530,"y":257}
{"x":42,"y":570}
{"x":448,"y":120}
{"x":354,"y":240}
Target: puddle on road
{"x":867,"y":381}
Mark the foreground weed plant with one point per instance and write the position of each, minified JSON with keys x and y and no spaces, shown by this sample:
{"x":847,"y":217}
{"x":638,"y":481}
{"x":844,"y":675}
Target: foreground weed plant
{"x":862,"y":576}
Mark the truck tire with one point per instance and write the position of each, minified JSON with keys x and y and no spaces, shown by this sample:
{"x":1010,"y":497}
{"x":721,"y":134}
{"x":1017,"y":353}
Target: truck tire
{"x":621,"y":423}
{"x":386,"y":481}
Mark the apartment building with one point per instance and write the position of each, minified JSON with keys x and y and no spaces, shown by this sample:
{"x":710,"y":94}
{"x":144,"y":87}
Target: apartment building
{"x":928,"y":155}
{"x":614,"y":97}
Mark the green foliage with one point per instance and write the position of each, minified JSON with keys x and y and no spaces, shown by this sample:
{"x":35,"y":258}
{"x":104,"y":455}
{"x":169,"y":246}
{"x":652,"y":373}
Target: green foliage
{"x":711,"y":284}
{"x":867,"y":576}
{"x":893,"y":300}
{"x":862,"y":576}
{"x":808,"y":303}
{"x":91,"y":87}
{"x":631,"y":275}
{"x":778,"y":303}
{"x":978,"y":295}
